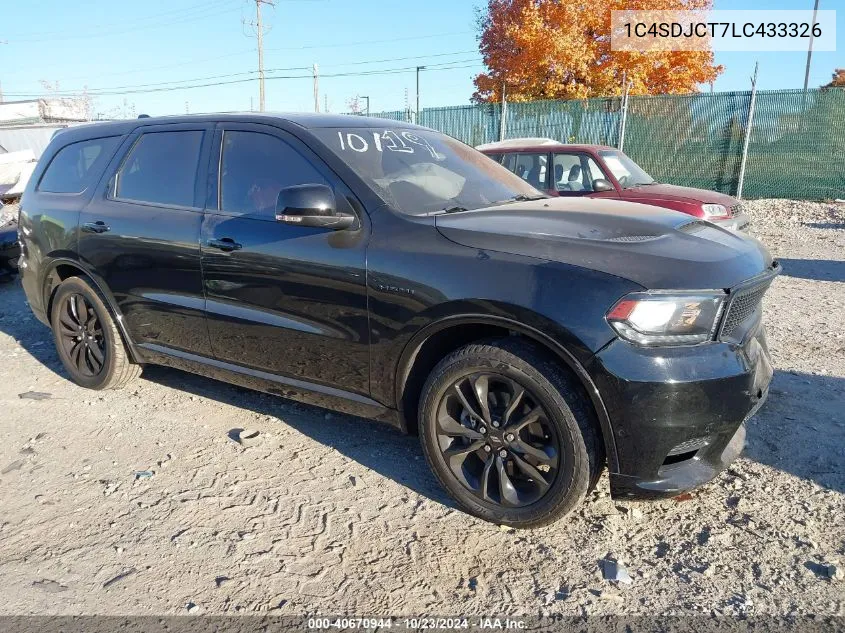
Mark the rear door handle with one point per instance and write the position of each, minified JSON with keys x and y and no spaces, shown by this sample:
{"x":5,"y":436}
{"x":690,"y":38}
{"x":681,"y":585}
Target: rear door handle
{"x":96,"y":227}
{"x":226,"y":244}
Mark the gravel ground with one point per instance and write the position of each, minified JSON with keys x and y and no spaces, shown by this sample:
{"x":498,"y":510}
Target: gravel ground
{"x":331,"y":514}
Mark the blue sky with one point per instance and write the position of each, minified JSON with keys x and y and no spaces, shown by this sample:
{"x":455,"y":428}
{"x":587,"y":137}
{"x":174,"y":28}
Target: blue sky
{"x":130,"y":45}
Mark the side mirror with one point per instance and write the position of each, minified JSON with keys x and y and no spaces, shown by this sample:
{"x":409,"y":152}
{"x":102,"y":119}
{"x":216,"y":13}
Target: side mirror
{"x":312,"y":206}
{"x":600,"y":184}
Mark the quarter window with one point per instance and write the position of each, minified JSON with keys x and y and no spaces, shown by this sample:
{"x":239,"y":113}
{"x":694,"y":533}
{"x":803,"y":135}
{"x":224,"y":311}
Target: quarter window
{"x":161,"y":168}
{"x":70,"y":171}
{"x":255,"y":167}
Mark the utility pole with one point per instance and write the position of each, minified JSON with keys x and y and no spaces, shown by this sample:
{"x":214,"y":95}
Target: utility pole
{"x":417,"y":115}
{"x":624,"y":114}
{"x":1,"y":87}
{"x":503,"y":115}
{"x":259,"y":33}
{"x":316,"y":89}
{"x":810,"y":49}
{"x":326,"y":102}
{"x":747,"y":138}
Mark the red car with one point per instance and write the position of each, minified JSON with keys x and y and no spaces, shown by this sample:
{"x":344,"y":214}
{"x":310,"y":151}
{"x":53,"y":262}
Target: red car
{"x":598,"y":171}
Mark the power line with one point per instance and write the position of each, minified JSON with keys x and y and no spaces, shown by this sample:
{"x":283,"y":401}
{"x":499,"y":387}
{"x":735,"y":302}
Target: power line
{"x":89,"y":90}
{"x":250,"y":50}
{"x":454,"y":65}
{"x":133,"y":29}
{"x":135,"y":20}
{"x":368,"y":42}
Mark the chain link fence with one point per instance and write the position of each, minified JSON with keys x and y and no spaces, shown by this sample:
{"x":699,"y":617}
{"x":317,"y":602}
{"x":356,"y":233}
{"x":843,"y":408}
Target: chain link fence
{"x":795,"y":149}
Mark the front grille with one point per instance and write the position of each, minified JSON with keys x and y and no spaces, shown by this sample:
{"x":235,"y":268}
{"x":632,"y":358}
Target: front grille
{"x":693,"y":227}
{"x":632,"y":238}
{"x":742,"y":306}
{"x":736,"y":210}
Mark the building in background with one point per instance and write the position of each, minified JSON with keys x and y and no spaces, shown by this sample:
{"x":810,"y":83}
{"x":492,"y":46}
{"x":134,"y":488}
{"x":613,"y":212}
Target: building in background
{"x":48,"y":110}
{"x":26,"y":128}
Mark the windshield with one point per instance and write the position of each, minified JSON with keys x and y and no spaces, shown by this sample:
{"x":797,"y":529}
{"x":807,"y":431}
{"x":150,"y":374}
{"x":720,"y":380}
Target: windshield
{"x":626,"y":171}
{"x":420,"y":171}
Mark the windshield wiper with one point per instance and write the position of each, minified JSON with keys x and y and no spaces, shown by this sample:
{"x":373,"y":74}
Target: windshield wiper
{"x":454,"y":209}
{"x":525,"y":198}
{"x":519,"y":198}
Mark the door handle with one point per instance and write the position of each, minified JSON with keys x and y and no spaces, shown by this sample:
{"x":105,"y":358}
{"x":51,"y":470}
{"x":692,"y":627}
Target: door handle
{"x":96,"y":227}
{"x":226,"y":244}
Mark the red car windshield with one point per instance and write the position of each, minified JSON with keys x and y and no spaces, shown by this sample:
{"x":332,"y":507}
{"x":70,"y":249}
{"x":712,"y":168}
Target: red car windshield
{"x":626,"y":171}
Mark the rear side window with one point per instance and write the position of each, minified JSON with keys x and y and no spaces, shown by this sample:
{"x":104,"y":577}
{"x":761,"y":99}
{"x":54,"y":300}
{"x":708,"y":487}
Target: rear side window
{"x":73,"y":167}
{"x":161,"y":168}
{"x":255,"y":167}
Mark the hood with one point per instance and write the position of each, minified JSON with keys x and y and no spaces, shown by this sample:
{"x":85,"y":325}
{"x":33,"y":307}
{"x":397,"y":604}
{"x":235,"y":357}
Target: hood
{"x":651,"y":246}
{"x":681,"y":194}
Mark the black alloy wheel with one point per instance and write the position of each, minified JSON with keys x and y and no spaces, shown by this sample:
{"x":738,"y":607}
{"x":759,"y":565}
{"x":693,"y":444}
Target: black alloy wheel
{"x":87,"y":338}
{"x":81,"y":335}
{"x":497,"y":440}
{"x":509,"y":433}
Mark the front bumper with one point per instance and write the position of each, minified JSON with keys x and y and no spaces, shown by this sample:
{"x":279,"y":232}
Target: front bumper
{"x":678,"y":414}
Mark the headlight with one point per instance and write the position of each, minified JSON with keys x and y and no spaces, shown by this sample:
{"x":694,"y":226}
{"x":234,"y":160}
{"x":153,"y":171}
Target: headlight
{"x":715,"y":211}
{"x":667,"y":319}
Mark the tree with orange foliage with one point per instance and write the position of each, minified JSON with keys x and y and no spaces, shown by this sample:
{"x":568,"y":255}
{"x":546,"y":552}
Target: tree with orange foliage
{"x":838,"y":79}
{"x":560,"y":49}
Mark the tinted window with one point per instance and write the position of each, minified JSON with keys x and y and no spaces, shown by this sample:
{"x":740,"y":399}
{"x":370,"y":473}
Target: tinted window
{"x":256,"y":167}
{"x":72,"y":168}
{"x":161,"y":168}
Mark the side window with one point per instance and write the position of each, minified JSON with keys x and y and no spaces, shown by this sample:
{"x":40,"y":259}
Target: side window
{"x":575,"y":172}
{"x":567,"y":172}
{"x":530,"y":167}
{"x":595,"y":172}
{"x":161,"y":168}
{"x":71,"y":171}
{"x":255,"y":167}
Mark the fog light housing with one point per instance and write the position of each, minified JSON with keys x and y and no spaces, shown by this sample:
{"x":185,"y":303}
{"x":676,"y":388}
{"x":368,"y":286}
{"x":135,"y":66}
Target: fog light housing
{"x":689,"y":446}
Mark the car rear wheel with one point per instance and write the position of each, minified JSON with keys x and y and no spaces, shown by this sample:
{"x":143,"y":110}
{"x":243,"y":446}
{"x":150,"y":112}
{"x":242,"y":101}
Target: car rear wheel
{"x":87,"y":339}
{"x":509,"y":434}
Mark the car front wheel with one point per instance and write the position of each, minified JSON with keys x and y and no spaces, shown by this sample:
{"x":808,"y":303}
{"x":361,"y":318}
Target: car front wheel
{"x":509,"y":434}
{"x":87,"y":339}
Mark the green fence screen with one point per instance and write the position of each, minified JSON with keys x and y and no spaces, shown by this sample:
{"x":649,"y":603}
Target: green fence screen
{"x":796,"y":147}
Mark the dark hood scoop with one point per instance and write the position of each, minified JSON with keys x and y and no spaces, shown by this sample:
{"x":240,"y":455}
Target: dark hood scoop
{"x":654,"y":247}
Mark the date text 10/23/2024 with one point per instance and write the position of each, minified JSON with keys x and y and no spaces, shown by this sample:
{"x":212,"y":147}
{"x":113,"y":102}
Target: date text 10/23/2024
{"x":419,"y":623}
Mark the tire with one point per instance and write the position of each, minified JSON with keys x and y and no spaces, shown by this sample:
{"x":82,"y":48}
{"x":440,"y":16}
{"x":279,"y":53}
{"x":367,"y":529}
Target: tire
{"x":96,"y":358}
{"x":564,"y":435}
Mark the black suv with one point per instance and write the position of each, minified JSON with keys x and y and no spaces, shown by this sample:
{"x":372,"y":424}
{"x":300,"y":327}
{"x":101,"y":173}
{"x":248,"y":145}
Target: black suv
{"x":392,"y":272}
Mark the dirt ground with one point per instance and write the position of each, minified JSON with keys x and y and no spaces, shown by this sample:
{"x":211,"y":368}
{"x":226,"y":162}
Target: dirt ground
{"x":336,"y":515}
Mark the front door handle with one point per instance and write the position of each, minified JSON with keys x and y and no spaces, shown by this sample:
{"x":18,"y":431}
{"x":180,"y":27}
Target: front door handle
{"x":226,"y":244}
{"x":96,"y":227}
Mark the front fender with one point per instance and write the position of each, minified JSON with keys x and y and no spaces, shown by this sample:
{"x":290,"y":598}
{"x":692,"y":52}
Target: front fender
{"x":530,"y":331}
